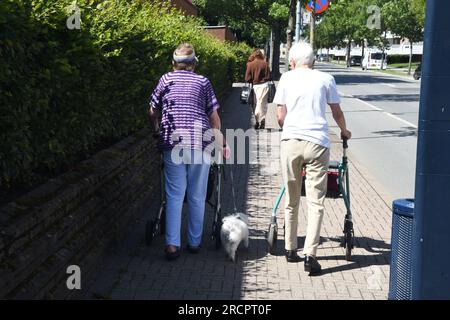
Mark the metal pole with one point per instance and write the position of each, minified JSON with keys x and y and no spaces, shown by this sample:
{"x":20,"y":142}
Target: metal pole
{"x":431,"y":223}
{"x":271,"y":48}
{"x":298,"y":22}
{"x":312,"y":23}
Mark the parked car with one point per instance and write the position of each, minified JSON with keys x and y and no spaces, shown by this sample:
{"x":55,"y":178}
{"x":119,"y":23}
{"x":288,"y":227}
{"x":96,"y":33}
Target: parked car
{"x":355,"y":60}
{"x":323,"y":57}
{"x":418,"y":72}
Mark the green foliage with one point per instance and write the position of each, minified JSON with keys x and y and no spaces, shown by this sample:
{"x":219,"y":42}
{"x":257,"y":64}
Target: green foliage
{"x":65,"y":93}
{"x":402,"y":58}
{"x":251,"y":20}
{"x":347,"y":19}
{"x":418,"y":7}
{"x":279,"y":11}
{"x":401,"y":19}
{"x":241,"y":51}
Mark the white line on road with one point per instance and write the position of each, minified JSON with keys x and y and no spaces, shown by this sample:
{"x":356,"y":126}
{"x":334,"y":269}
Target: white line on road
{"x":379,"y":109}
{"x":370,"y":105}
{"x":389,"y":85}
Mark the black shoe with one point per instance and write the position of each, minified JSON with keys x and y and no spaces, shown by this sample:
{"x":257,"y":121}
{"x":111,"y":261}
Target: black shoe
{"x":193,"y":249}
{"x":172,"y":255}
{"x":312,"y":265}
{"x":292,"y":256}
{"x":263,"y":124}
{"x":256,"y":125}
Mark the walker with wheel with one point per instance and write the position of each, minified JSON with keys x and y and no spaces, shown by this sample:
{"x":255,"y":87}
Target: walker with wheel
{"x":213,"y":198}
{"x":156,"y":225}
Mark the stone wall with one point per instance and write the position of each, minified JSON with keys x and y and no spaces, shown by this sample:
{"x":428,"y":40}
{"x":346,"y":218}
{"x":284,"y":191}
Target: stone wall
{"x":72,"y":219}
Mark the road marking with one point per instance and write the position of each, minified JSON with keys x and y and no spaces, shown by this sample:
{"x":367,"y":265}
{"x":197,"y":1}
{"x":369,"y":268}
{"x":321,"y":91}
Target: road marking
{"x":389,"y":85}
{"x":370,"y":105}
{"x":379,"y":109}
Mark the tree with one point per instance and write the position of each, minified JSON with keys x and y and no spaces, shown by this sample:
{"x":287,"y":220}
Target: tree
{"x":418,"y":7}
{"x":348,"y":19}
{"x":290,"y":30}
{"x":252,"y":20}
{"x":401,"y":19}
{"x":327,"y":34}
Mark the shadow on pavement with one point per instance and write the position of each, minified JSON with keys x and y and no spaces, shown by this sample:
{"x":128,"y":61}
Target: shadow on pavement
{"x":349,"y":79}
{"x":390,"y":97}
{"x":378,"y":251}
{"x":380,"y":254}
{"x":407,"y":132}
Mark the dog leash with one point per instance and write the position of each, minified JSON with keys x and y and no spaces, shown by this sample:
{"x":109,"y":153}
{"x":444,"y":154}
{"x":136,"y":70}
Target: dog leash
{"x":232,"y":190}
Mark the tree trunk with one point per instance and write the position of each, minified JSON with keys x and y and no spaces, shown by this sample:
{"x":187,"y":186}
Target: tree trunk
{"x":349,"y":48}
{"x":362,"y":51}
{"x":276,"y":52}
{"x":290,"y":31}
{"x":384,"y":50}
{"x":270,"y":59}
{"x":410,"y":57}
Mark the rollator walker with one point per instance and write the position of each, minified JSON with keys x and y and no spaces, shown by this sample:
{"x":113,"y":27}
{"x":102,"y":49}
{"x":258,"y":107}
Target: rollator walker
{"x":156,"y":226}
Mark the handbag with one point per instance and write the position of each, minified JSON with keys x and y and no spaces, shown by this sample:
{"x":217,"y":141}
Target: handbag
{"x":272,"y":91}
{"x":247,"y":94}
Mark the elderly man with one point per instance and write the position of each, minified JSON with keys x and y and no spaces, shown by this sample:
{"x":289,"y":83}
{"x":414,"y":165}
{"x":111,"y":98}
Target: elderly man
{"x":302,"y":97}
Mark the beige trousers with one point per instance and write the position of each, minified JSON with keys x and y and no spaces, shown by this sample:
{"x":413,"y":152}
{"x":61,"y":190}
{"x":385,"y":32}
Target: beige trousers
{"x":294,"y":155}
{"x":261,"y":100}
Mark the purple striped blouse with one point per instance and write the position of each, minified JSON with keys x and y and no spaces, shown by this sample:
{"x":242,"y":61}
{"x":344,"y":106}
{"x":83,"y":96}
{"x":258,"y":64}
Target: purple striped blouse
{"x":186,"y":100}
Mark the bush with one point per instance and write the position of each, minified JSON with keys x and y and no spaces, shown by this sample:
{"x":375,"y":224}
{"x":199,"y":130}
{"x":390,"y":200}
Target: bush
{"x":66,"y":93}
{"x":402,"y":58}
{"x":241,"y":51}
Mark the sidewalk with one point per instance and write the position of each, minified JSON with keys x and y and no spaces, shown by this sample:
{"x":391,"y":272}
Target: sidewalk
{"x":134,"y":271}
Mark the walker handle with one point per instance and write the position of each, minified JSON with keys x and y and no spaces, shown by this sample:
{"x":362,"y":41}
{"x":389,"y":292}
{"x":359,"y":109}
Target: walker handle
{"x":344,"y":142}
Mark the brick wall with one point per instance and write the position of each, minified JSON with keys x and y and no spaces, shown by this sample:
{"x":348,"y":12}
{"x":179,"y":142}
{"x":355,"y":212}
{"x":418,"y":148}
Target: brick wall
{"x":221,"y":33}
{"x":186,"y":7}
{"x":73,"y":218}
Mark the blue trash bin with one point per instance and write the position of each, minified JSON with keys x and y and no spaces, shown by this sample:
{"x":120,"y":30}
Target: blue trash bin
{"x":400,"y":282}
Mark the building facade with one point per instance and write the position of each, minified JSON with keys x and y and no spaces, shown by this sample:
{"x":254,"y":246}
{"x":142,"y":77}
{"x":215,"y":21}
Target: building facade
{"x":221,"y":32}
{"x":185,"y":6}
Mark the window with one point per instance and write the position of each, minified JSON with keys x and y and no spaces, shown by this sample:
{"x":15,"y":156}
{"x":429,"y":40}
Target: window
{"x":376,"y":56}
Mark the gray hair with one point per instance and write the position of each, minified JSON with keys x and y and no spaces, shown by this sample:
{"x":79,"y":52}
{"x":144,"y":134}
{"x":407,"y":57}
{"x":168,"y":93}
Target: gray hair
{"x":302,"y":54}
{"x":184,"y":57}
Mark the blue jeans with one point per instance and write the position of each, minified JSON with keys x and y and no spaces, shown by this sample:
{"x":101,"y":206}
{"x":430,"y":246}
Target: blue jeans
{"x":190,"y":175}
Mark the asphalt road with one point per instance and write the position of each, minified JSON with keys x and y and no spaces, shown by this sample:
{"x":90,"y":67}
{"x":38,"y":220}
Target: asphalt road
{"x":382,"y":113}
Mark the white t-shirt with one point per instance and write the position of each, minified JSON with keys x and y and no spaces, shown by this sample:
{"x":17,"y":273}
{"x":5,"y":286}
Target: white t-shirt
{"x":306,"y":93}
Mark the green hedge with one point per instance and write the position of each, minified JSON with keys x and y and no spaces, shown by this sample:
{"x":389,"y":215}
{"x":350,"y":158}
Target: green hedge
{"x":65,"y":93}
{"x":403,"y":58}
{"x":242,"y":51}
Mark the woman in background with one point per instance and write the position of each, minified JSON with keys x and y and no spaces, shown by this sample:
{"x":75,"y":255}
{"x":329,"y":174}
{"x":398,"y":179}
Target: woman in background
{"x":258,"y":74}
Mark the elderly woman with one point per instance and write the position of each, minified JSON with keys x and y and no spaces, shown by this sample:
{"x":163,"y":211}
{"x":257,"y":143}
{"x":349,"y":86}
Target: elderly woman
{"x":188,"y":108}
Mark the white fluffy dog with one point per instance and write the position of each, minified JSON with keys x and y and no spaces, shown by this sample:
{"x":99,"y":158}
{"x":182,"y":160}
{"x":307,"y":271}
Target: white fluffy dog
{"x":234,"y":230}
